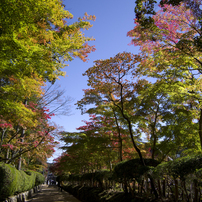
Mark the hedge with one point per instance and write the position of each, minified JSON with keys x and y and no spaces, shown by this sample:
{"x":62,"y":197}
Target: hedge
{"x":180,"y":167}
{"x":132,"y":169}
{"x":39,"y":178}
{"x":13,"y":181}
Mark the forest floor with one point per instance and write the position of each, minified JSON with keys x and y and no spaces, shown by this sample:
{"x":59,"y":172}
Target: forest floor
{"x":51,"y":193}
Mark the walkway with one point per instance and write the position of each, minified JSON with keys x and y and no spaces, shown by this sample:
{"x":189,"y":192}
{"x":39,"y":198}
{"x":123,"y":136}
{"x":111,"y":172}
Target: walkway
{"x":51,"y":193}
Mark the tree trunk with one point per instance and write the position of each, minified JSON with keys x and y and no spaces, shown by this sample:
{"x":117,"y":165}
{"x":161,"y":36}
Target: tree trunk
{"x":153,"y":186}
{"x":196,"y":198}
{"x":154,"y":133}
{"x":200,"y":127}
{"x":176,"y":190}
{"x":7,"y":155}
{"x":22,"y":140}
{"x":121,"y":108}
{"x":120,"y":148}
{"x":120,"y":139}
{"x":133,"y":141}
{"x":154,"y":144}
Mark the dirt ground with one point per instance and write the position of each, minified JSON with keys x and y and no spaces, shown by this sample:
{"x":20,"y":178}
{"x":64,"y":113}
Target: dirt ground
{"x":51,"y":193}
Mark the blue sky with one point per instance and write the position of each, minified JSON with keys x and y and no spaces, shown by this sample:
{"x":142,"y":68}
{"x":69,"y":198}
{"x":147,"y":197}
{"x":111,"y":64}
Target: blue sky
{"x":114,"y":18}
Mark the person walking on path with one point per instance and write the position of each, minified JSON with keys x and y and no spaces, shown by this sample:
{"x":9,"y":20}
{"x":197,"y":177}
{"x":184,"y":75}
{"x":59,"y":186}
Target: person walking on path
{"x":52,"y":194}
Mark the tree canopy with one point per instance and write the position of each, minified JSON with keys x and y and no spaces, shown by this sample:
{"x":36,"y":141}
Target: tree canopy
{"x":154,"y":94}
{"x":37,"y":39}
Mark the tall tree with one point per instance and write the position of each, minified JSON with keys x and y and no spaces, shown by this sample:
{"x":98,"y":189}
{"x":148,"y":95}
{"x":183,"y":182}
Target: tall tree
{"x":92,"y":146}
{"x":110,"y":80}
{"x":108,"y":115}
{"x":169,"y":52}
{"x":159,"y":111}
{"x":36,"y":41}
{"x":13,"y":144}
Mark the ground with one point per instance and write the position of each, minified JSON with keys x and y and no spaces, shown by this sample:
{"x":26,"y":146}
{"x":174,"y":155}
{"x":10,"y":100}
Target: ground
{"x":51,"y":193}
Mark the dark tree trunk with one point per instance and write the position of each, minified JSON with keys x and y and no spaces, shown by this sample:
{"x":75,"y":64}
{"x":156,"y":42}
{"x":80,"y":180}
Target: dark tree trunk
{"x":200,"y":127}
{"x":120,"y":139}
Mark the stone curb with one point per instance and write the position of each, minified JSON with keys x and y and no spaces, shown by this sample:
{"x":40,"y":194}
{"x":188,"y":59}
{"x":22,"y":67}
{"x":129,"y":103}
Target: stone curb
{"x":22,"y":197}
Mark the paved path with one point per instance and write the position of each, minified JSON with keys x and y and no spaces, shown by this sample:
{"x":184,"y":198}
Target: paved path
{"x":52,"y":194}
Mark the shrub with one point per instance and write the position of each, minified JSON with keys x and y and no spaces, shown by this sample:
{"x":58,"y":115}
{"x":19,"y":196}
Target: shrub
{"x":179,"y":168}
{"x":13,"y":181}
{"x":132,"y":169}
{"x":38,"y":177}
{"x":8,"y":180}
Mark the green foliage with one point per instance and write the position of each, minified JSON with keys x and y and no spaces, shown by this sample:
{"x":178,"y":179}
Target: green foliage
{"x":132,"y":169}
{"x":8,"y":180}
{"x":37,"y":39}
{"x":25,"y":182}
{"x":90,"y":145}
{"x":98,"y":176}
{"x":87,"y":176}
{"x":143,"y":11}
{"x":39,"y":178}
{"x":36,"y":42}
{"x":102,"y":174}
{"x":62,"y":177}
{"x":13,"y":181}
{"x":179,"y":168}
{"x":76,"y":177}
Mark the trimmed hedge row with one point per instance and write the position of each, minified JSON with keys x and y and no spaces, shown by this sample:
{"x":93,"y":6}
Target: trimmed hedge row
{"x":125,"y":170}
{"x":132,"y":169}
{"x":97,"y":176}
{"x":177,"y":180}
{"x":13,"y":181}
{"x":180,"y":168}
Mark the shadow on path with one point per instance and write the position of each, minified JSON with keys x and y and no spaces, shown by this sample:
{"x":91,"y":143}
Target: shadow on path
{"x":51,"y":193}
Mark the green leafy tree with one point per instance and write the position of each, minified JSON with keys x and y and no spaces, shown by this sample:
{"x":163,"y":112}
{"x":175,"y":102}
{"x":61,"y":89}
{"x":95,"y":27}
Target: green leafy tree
{"x":36,"y":40}
{"x":169,"y":52}
{"x":109,"y":81}
{"x":166,"y":120}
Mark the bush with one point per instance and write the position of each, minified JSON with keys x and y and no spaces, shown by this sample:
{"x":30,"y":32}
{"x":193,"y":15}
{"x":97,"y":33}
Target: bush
{"x":25,"y":182}
{"x":63,"y":177}
{"x":179,"y":168}
{"x":38,"y":177}
{"x":13,"y":181}
{"x":132,"y":169}
{"x":102,"y":174}
{"x":8,"y":180}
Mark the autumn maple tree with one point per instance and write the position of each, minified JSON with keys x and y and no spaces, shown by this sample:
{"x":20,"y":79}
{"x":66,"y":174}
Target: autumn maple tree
{"x":155,"y":93}
{"x":36,"y":43}
{"x":111,"y":80}
{"x":169,"y":41}
{"x":17,"y":141}
{"x":92,"y":145}
{"x":37,"y":39}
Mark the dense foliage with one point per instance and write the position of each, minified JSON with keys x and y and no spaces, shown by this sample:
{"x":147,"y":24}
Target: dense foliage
{"x":13,"y":181}
{"x":37,"y":39}
{"x":154,"y":94}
